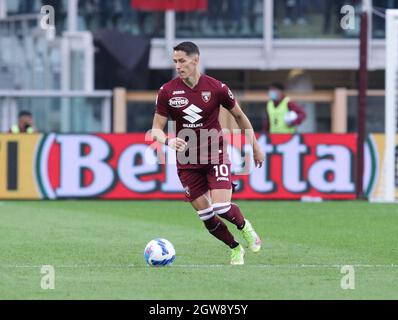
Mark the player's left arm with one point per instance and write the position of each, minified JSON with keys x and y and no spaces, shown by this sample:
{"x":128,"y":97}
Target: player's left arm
{"x":244,"y":124}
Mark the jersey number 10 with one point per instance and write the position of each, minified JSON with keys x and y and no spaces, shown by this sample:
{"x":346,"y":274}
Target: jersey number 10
{"x":221,"y":170}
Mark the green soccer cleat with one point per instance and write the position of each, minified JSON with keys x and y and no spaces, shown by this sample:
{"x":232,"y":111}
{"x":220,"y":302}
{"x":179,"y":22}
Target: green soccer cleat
{"x":251,"y":237}
{"x":237,"y":255}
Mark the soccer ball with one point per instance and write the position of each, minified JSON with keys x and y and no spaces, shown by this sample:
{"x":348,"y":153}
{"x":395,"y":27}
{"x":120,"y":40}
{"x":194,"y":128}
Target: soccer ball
{"x":159,"y":253}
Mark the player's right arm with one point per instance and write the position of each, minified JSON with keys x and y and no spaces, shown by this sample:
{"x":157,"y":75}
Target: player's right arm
{"x":158,"y":134}
{"x":159,"y":122}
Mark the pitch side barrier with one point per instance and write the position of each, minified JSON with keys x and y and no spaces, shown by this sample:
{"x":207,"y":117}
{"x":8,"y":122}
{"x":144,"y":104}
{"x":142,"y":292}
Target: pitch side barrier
{"x":336,"y":101}
{"x":129,"y":166}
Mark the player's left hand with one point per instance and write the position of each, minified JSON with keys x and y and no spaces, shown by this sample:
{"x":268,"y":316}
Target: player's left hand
{"x":259,"y":157}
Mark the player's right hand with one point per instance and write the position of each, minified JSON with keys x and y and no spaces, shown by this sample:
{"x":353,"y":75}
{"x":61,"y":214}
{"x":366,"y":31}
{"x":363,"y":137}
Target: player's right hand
{"x":177,"y":144}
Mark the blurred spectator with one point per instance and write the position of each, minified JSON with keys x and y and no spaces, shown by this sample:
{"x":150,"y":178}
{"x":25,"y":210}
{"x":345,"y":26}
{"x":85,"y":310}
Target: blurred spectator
{"x":102,"y":14}
{"x":25,"y":123}
{"x":127,"y":14}
{"x":249,"y":15}
{"x":196,"y":20}
{"x":88,"y":8}
{"x":234,"y":16}
{"x":223,"y":18}
{"x":115,"y":9}
{"x":216,"y":13}
{"x":26,"y":6}
{"x":105,"y":9}
{"x":185,"y":20}
{"x":295,"y":12}
{"x":379,"y":22}
{"x":282,"y":115}
{"x":150,"y":23}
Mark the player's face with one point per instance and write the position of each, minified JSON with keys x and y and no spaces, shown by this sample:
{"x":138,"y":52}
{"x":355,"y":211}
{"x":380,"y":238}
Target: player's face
{"x":274,"y":93}
{"x":185,"y":64}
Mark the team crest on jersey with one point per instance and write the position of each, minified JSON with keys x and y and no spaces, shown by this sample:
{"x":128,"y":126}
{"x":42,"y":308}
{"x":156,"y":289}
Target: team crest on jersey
{"x":206,"y":96}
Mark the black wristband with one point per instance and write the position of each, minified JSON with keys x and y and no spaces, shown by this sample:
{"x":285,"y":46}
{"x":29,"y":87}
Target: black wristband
{"x":166,"y":142}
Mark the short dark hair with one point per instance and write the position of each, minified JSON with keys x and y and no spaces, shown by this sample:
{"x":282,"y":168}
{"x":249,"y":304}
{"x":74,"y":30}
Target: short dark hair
{"x":188,"y":47}
{"x":277,"y":85}
{"x":24,"y":113}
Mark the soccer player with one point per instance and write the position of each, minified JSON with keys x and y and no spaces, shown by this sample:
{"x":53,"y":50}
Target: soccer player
{"x":193,"y":101}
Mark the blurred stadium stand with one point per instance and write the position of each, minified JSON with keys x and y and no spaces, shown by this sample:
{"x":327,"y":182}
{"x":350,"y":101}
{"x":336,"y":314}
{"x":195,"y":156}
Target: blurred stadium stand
{"x":248,"y":44}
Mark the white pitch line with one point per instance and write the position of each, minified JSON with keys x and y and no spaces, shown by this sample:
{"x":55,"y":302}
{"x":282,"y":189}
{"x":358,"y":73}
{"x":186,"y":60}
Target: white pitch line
{"x":261,"y":266}
{"x":76,"y":266}
{"x":294,"y":266}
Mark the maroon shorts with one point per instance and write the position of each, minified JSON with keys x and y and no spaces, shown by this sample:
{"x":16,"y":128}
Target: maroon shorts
{"x":197,"y":182}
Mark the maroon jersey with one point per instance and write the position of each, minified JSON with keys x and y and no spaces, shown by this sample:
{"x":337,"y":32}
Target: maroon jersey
{"x":195,"y":111}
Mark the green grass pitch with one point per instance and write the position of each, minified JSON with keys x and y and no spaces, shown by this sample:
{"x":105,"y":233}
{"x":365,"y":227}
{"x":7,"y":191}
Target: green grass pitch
{"x":96,"y":249}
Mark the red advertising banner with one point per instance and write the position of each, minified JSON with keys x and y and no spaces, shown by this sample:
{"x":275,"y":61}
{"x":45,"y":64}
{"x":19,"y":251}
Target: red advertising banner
{"x":308,"y":165}
{"x":162,"y":5}
{"x":125,"y":166}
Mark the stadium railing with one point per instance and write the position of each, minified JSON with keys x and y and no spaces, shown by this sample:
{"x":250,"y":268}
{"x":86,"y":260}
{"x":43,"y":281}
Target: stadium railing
{"x":59,"y":111}
{"x":337,"y":99}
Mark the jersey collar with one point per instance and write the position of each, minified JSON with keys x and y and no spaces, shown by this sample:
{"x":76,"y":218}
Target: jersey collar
{"x":196,"y":86}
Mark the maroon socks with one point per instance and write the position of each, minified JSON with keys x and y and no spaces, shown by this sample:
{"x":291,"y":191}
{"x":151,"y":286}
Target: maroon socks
{"x":230,"y":212}
{"x":217,"y":227}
